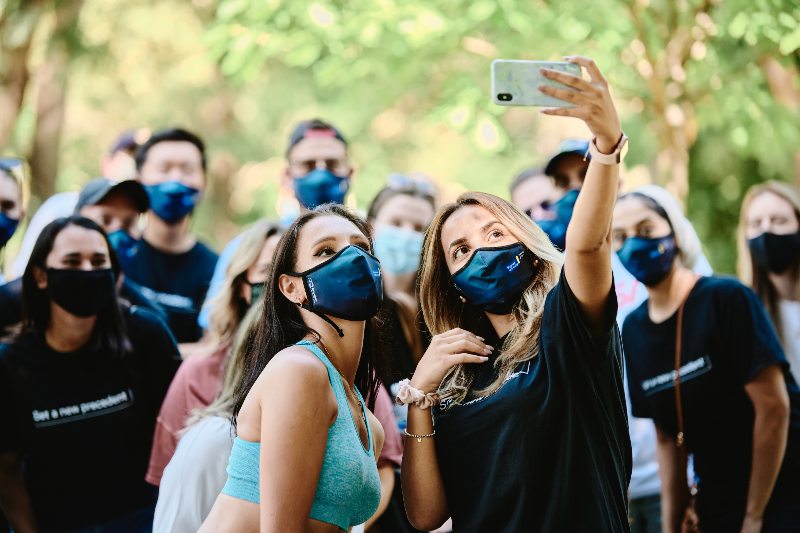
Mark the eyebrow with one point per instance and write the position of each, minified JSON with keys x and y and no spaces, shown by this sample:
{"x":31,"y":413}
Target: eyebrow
{"x":462,"y":240}
{"x":352,"y":237}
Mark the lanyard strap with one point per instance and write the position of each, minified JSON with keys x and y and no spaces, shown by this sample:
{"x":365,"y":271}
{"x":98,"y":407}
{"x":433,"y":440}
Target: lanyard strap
{"x":680,"y":440}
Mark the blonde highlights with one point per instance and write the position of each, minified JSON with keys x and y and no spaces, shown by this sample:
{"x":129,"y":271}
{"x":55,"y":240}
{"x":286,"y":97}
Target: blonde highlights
{"x":226,"y":308}
{"x":443,"y":310}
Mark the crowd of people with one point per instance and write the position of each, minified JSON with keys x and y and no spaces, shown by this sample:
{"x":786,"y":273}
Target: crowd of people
{"x":564,"y":361}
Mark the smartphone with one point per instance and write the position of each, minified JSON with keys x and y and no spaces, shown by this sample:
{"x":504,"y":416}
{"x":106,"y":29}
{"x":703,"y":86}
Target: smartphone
{"x":516,"y":82}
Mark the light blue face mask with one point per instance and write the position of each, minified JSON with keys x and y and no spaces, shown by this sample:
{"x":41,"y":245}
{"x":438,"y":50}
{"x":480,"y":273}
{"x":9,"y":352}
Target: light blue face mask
{"x":399,"y":250}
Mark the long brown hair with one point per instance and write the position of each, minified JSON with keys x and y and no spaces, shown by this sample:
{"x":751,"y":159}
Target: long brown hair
{"x":280,"y":324}
{"x":443,"y":310}
{"x":746,"y":267}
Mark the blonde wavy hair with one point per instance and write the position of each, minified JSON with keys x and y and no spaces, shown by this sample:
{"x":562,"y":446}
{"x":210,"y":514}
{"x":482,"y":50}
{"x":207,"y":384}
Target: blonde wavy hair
{"x":226,"y":309}
{"x":746,"y":267}
{"x":443,"y":310}
{"x":242,"y":341}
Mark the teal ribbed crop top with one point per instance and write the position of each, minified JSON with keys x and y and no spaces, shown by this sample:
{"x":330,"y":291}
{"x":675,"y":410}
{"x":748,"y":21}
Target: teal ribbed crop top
{"x":349,"y":488}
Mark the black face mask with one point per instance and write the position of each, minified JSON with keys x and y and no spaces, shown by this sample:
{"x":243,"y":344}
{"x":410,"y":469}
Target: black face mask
{"x":83,"y":293}
{"x":776,"y":253}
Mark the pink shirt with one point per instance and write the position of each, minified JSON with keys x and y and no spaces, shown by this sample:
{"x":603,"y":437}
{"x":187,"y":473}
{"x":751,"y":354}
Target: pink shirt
{"x":194,"y":386}
{"x":392,"y":452}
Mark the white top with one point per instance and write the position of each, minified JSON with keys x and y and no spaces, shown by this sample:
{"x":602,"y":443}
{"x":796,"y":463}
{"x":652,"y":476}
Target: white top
{"x":59,"y":205}
{"x":194,"y":477}
{"x":644,"y":475}
{"x":790,"y":331}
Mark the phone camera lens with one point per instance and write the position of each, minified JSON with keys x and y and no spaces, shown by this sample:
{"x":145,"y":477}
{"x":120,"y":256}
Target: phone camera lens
{"x":504,"y":97}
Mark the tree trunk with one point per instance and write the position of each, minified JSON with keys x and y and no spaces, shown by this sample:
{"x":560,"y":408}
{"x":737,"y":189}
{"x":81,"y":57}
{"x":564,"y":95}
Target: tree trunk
{"x":17,"y":25}
{"x":51,"y":82}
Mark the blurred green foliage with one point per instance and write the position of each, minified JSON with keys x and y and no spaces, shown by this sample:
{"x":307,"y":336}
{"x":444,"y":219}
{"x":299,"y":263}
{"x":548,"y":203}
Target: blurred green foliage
{"x":408,"y":82}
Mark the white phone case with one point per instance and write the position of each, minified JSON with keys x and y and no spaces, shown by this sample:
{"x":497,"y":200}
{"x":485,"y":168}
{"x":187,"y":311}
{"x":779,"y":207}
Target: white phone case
{"x":516,"y":82}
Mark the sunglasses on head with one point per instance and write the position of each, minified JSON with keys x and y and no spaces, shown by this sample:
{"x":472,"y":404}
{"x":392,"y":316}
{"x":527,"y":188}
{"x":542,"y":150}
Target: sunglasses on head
{"x":402,"y":182}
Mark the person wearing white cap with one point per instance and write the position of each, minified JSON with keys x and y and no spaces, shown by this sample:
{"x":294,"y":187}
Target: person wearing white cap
{"x":703,"y":361}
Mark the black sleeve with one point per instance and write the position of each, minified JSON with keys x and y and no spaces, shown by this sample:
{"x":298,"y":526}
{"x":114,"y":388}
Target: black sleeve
{"x":10,"y":304}
{"x":132,"y":292}
{"x":9,"y":438}
{"x":157,"y":350}
{"x":573,"y":329}
{"x":752,"y":340}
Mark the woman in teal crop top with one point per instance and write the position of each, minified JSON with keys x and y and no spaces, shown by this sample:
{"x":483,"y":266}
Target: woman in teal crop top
{"x":304,"y":458}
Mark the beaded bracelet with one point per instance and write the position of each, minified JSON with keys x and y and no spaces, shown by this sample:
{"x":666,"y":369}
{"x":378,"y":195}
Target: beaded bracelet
{"x":419,"y":437}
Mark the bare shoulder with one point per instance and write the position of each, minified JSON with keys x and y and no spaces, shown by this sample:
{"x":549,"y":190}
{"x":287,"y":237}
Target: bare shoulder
{"x":378,"y":436}
{"x":294,"y":374}
{"x":295,"y":369}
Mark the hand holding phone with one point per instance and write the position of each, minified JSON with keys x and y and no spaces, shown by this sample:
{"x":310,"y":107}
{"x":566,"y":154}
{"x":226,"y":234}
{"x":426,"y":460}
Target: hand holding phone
{"x":517,"y":82}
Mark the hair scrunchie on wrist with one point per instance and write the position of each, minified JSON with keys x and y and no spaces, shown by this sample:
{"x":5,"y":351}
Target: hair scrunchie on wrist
{"x":407,"y":394}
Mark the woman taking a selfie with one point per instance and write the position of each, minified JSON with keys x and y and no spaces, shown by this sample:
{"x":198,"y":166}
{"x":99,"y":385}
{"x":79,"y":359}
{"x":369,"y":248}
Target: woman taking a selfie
{"x":304,"y":458}
{"x":80,"y":388}
{"x":530,"y":429}
{"x":769,"y":258}
{"x":734,"y":406}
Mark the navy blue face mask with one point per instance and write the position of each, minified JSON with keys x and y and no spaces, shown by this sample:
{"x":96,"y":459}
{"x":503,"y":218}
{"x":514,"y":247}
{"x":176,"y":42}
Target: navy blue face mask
{"x":320,"y":187}
{"x":648,"y":260}
{"x":556,"y":228}
{"x":172,"y":200}
{"x":346,"y":286}
{"x":125,"y":246}
{"x":494,"y":278}
{"x":7,"y":228}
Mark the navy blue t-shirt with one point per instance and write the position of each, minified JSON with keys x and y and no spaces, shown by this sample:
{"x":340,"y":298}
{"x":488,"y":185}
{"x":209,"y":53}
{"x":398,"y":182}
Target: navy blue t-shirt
{"x":177,"y":282}
{"x":727,"y":340}
{"x":549,"y":451}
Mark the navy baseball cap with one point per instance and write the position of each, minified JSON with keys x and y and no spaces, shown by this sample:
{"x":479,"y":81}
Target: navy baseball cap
{"x":313,"y":128}
{"x":567,"y":147}
{"x":97,"y":189}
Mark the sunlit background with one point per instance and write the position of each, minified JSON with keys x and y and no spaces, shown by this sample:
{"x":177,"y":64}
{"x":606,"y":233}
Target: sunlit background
{"x":709,"y":91}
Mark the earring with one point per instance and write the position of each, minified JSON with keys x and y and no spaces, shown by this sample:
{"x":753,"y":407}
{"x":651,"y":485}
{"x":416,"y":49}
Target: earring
{"x":463,"y":300}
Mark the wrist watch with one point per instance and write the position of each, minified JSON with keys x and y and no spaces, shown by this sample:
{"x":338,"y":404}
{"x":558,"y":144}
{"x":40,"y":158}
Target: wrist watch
{"x":614,"y":157}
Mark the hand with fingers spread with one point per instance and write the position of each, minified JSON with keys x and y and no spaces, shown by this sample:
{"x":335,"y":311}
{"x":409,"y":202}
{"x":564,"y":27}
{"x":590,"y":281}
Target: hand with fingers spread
{"x":445,"y":351}
{"x":592,"y":101}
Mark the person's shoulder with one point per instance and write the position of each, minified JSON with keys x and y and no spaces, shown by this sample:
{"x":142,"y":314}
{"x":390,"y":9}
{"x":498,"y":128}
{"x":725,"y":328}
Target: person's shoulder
{"x":11,"y":289}
{"x":203,"y":361}
{"x":637,"y":317}
{"x":298,"y":364}
{"x":19,"y":346}
{"x":142,"y":321}
{"x":201,"y":251}
{"x":720,"y":286}
{"x":296,"y":372}
{"x":210,"y":431}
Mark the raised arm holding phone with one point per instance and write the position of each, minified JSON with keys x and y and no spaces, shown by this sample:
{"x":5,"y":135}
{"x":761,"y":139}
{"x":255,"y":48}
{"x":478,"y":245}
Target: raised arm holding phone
{"x":528,"y":431}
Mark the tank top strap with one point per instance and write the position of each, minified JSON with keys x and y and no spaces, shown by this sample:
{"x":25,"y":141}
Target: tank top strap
{"x":341,"y":395}
{"x":333,"y":375}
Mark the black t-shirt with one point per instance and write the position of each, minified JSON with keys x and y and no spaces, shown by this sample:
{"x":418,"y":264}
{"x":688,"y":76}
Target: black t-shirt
{"x":727,"y":339}
{"x":83,"y":421}
{"x":178,"y":282}
{"x":549,"y":451}
{"x":10,"y":304}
